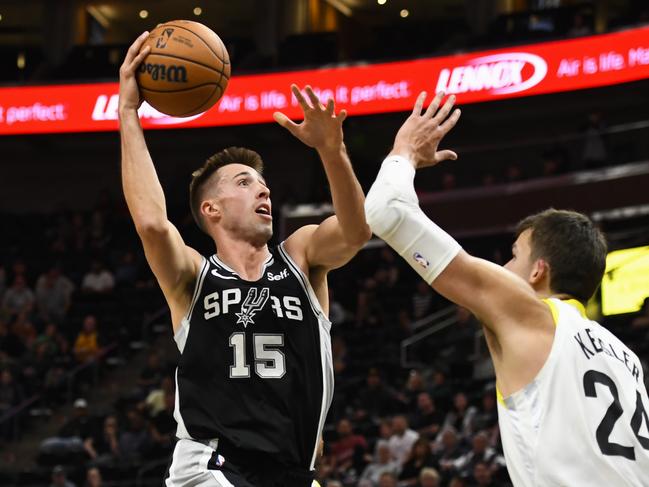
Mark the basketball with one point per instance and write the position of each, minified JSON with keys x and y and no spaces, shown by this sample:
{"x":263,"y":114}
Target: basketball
{"x":186,"y":71}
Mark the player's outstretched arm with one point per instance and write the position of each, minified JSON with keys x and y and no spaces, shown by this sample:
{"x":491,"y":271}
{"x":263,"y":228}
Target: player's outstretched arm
{"x":501,"y":300}
{"x":337,"y":239}
{"x":174,"y":264}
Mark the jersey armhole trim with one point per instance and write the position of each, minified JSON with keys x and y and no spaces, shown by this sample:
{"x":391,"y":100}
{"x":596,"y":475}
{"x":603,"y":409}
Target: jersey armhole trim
{"x":553,"y":309}
{"x":197,"y":290}
{"x":304,"y":281}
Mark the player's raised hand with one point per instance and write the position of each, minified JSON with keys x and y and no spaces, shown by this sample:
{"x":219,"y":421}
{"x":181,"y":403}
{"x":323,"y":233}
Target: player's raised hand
{"x":421,"y":133}
{"x":321,"y":128}
{"x":129,"y":93}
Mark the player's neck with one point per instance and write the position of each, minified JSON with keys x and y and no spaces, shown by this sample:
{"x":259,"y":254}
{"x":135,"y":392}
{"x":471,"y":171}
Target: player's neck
{"x":243,"y":257}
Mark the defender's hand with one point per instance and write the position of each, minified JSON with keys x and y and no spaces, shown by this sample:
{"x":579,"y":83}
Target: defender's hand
{"x":321,"y":128}
{"x":129,"y":92}
{"x":421,"y":133}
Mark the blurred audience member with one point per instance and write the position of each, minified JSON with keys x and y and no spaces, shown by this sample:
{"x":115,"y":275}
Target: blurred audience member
{"x":402,"y":439}
{"x":86,"y":346}
{"x":19,"y":298}
{"x":98,"y":280}
{"x":421,"y":456}
{"x":382,"y":463}
{"x":462,"y":416}
{"x":427,"y":420}
{"x":429,"y":477}
{"x":59,"y":478}
{"x":93,"y":478}
{"x":53,"y":293}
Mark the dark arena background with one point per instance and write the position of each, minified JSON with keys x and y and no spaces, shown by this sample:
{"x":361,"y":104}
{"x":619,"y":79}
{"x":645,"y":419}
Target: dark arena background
{"x":555,"y":102}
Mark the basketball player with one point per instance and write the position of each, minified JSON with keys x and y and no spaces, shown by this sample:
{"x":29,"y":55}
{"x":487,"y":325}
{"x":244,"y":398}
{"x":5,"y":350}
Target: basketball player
{"x":572,"y":401}
{"x":255,"y":379}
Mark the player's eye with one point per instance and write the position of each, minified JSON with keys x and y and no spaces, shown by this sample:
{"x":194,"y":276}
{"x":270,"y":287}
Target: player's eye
{"x":243,"y":182}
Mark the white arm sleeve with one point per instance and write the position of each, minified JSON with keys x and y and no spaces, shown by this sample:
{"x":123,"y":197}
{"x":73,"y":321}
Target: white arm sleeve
{"x":393,"y":213}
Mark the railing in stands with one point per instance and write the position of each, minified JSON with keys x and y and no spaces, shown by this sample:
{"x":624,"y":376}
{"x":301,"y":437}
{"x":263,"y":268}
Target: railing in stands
{"x":429,"y":325}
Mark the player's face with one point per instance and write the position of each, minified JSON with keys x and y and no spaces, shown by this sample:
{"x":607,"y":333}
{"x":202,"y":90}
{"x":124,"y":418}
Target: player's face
{"x":244,"y":203}
{"x":521,"y":262}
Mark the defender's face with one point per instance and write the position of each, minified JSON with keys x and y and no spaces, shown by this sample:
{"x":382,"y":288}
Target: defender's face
{"x":521,"y":262}
{"x":244,"y":201}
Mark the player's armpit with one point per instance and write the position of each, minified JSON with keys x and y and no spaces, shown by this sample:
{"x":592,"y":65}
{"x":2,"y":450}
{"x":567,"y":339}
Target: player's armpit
{"x":501,"y":300}
{"x":324,"y":246}
{"x":174,"y":264}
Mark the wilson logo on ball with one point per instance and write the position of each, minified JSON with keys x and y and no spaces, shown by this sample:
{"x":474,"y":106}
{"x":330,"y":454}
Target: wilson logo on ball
{"x":161,"y":43}
{"x":173,"y":74}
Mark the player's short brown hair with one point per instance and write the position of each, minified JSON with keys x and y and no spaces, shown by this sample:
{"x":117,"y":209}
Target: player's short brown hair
{"x":231,"y":155}
{"x":574,"y":248}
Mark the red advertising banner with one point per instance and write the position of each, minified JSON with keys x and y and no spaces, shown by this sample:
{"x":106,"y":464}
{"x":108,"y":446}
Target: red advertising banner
{"x":376,"y":88}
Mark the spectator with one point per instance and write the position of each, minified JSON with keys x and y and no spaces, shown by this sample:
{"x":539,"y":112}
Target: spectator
{"x":86,"y":346}
{"x":53,"y":292}
{"x":387,"y":479}
{"x":457,"y":482}
{"x":93,"y":477}
{"x":19,"y":298}
{"x":429,"y":478}
{"x":482,"y":476}
{"x":440,"y":391}
{"x":480,"y":453}
{"x":462,"y":416}
{"x":375,"y":399}
{"x":155,"y":401}
{"x":402,"y":439}
{"x":514,"y":174}
{"x":151,"y":374}
{"x":163,"y":427}
{"x":126,"y":271}
{"x":81,"y":424}
{"x":24,"y":329}
{"x":487,"y":416}
{"x":383,"y":462}
{"x":98,"y":280}
{"x":414,"y":386}
{"x":422,"y":300}
{"x":10,"y":396}
{"x":420,"y":457}
{"x":49,"y":339}
{"x":449,"y":451}
{"x":348,"y":449}
{"x":59,"y":478}
{"x":427,"y":420}
{"x":103,"y":446}
{"x":135,"y":440}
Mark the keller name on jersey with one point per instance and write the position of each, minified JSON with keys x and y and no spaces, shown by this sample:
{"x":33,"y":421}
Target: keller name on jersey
{"x":591,"y":345}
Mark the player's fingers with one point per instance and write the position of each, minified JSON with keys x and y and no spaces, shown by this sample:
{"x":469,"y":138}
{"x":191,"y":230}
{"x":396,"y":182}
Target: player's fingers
{"x":434,"y":105}
{"x":419,"y":103}
{"x":138,"y":59}
{"x":315,"y":101}
{"x":285,"y":122}
{"x":330,"y":106}
{"x":445,"y":110}
{"x":444,"y":155}
{"x":135,"y":47}
{"x":450,"y":122}
{"x":342,"y":115}
{"x":300,"y":97}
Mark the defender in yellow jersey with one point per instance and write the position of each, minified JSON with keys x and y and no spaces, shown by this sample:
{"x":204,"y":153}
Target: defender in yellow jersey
{"x":572,"y":401}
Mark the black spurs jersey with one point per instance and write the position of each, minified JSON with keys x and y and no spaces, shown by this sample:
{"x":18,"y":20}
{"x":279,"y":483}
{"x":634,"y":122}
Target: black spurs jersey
{"x":255,"y":366}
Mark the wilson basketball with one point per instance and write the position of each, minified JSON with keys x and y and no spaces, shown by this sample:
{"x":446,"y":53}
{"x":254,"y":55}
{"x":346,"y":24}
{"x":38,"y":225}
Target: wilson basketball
{"x":186,"y":71}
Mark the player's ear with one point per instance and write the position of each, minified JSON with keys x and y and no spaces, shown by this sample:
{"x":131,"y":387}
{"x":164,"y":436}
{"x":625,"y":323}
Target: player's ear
{"x":210,"y":210}
{"x":539,"y":272}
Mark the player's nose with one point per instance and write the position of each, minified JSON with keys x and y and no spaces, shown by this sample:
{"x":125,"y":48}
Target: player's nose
{"x":264,"y":191}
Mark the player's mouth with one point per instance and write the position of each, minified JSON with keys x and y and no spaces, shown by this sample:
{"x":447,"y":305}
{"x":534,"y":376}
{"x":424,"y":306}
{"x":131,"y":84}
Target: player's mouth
{"x":264,"y":211}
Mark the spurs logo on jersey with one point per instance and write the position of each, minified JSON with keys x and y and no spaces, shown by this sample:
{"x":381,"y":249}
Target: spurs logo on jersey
{"x":253,"y":303}
{"x":222,"y":302}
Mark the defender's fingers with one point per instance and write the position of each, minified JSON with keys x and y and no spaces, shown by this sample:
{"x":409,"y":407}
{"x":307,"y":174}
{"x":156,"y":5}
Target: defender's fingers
{"x":419,"y":103}
{"x":330,"y":106}
{"x":444,"y":155}
{"x":315,"y":101}
{"x":300,"y":97}
{"x":285,"y":122}
{"x":450,"y":121}
{"x":342,"y":116}
{"x":434,"y":105}
{"x":445,"y":110}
